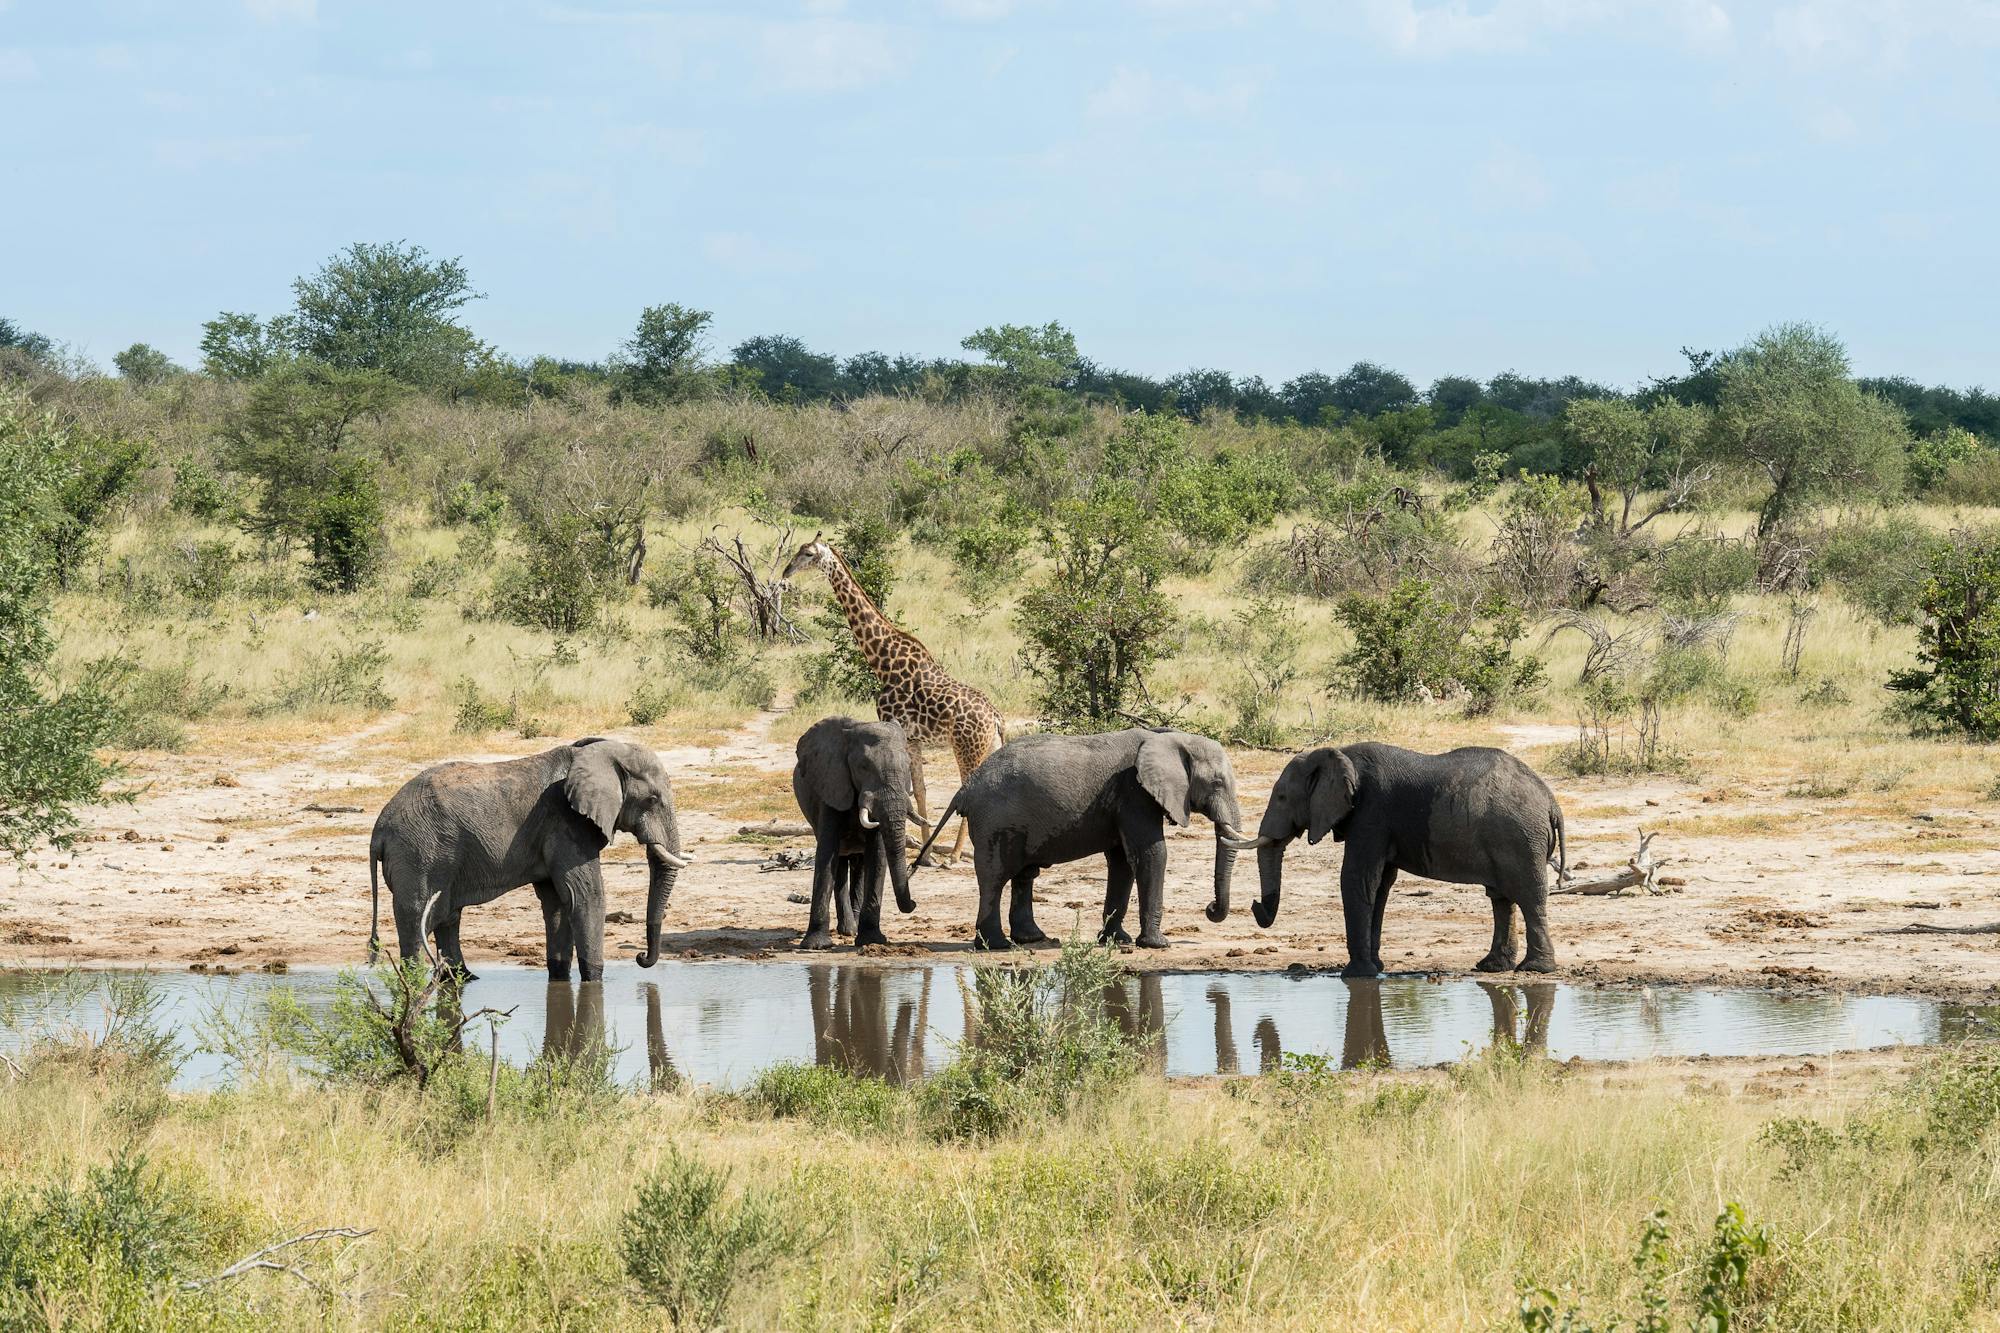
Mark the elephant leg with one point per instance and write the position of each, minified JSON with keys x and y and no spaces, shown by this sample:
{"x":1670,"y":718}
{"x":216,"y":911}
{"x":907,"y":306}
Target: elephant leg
{"x":1360,"y":877}
{"x":409,"y":889}
{"x":581,"y":887}
{"x":1381,"y":905}
{"x":1541,"y":955}
{"x":557,"y":945}
{"x":865,"y":874}
{"x":992,"y":873}
{"x":1021,"y":909}
{"x":846,"y":889}
{"x":1500,"y":957}
{"x":1117,"y":895}
{"x":1144,"y":839}
{"x":828,"y":868}
{"x":449,"y":950}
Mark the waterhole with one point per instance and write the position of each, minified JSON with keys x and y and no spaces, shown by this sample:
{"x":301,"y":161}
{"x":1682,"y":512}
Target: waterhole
{"x":721,"y":1023}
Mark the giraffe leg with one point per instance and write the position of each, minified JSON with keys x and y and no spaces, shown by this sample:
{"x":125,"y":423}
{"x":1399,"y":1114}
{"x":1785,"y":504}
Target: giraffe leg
{"x":923,"y":799}
{"x":970,"y":751}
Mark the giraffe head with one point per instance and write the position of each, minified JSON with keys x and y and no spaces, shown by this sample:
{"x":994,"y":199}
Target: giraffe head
{"x":814,"y":552}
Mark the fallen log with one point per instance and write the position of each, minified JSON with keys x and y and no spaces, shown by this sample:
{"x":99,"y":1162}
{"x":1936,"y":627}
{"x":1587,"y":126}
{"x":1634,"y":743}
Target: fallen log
{"x":779,"y":828}
{"x":1642,"y":871}
{"x":1920,"y":928}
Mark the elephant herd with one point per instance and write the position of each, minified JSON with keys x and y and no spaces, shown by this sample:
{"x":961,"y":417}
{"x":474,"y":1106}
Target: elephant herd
{"x":460,"y":834}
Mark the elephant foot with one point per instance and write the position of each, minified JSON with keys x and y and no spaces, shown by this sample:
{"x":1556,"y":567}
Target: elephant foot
{"x":865,"y":937}
{"x":1361,"y":971}
{"x":1494,"y":963}
{"x":1029,"y":934}
{"x":816,"y":939}
{"x":593,"y":974}
{"x":558,"y":971}
{"x":1114,"y":935}
{"x":1533,"y":964}
{"x":991,"y":943}
{"x":1151,"y":939}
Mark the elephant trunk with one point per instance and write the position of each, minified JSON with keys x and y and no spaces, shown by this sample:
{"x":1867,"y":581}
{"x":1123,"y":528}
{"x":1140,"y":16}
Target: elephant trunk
{"x":1270,"y":881}
{"x":661,"y":874}
{"x":892,"y":834}
{"x":1225,"y":870}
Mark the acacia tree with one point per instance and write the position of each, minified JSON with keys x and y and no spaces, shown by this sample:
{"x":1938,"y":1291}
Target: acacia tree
{"x":1628,"y":449}
{"x":662,"y":362}
{"x":143,"y":364}
{"x":1787,"y":407}
{"x":49,"y":735}
{"x":236,"y":346}
{"x":386,"y":308}
{"x":1026,"y":357}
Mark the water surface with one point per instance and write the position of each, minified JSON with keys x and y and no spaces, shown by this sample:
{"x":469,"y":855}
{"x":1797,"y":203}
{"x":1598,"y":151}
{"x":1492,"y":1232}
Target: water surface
{"x":720,"y":1023}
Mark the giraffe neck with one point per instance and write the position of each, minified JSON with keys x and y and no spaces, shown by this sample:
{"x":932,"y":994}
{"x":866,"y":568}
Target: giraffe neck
{"x":873,"y":632}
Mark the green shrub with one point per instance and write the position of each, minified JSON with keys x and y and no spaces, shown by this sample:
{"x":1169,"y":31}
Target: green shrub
{"x":204,"y":570}
{"x":1937,"y":456}
{"x":349,"y":677}
{"x":1973,"y":481}
{"x":699,"y":594}
{"x":1416,"y":643}
{"x":826,"y":1096}
{"x":471,"y":505}
{"x":1725,"y":1291}
{"x":561,"y":584}
{"x":433,"y":576}
{"x":1955,"y":686}
{"x":687,"y":1246}
{"x":343,"y":527}
{"x":1699,"y":575}
{"x":1881,"y":567}
{"x":1267,"y":641}
{"x":153,"y":702}
{"x":203,"y":493}
{"x":1041,"y":1041}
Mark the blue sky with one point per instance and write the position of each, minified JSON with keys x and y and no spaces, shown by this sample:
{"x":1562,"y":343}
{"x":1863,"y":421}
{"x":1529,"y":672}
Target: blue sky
{"x":1548,"y":185}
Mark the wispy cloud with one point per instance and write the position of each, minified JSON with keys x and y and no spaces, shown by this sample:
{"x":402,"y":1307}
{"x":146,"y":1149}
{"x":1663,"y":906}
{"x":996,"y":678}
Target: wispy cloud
{"x":282,"y":11}
{"x":744,"y":253}
{"x":677,"y":147}
{"x":1457,"y":27}
{"x":1509,"y":178}
{"x":17,"y":66}
{"x":828,"y":55}
{"x":976,"y":11}
{"x":1133,"y":93}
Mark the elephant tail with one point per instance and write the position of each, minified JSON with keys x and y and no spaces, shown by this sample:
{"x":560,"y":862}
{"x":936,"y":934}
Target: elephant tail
{"x":1558,"y":844}
{"x":937,"y":828}
{"x":375,"y":877}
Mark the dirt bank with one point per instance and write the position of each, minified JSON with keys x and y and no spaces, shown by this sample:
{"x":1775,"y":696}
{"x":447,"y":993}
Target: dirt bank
{"x":241,"y":862}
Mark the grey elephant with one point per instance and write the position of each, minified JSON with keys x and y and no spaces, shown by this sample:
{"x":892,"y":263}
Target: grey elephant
{"x":1470,"y":816}
{"x":852,"y":782}
{"x":463,"y":834}
{"x":1042,"y":800}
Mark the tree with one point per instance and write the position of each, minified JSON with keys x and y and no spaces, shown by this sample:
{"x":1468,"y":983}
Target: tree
{"x":291,"y":435}
{"x":1787,"y":408}
{"x":1026,"y":356}
{"x":49,"y":735}
{"x":242,"y":347}
{"x":1195,"y":393}
{"x":343,"y":525}
{"x":662,"y":361}
{"x":1367,"y":390}
{"x":1932,"y":457}
{"x":28,"y":345}
{"x":1628,"y":449}
{"x":787,"y":370}
{"x":1452,"y":396}
{"x":1308,"y":396}
{"x":386,"y":308}
{"x":1956,"y":685}
{"x":143,"y":365}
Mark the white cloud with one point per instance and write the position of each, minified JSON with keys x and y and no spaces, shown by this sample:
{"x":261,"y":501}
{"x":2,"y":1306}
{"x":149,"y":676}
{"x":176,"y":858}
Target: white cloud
{"x":17,"y":66}
{"x":1456,"y":26}
{"x":1878,"y":35}
{"x":827,"y":55}
{"x":1135,"y":94}
{"x":1656,"y":191}
{"x":744,"y":253}
{"x":282,"y":11}
{"x":976,"y":11}
{"x":676,"y":147}
{"x":224,"y":151}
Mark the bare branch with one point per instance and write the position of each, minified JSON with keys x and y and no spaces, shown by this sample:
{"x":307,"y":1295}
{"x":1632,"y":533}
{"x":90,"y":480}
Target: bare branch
{"x":1641,"y":872}
{"x":262,"y":1260}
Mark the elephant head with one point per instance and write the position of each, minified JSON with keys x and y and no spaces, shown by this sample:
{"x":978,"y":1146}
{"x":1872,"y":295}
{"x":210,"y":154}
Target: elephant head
{"x":865,"y":767}
{"x":1314,"y":796}
{"x":1187,"y":773}
{"x":618,"y":786}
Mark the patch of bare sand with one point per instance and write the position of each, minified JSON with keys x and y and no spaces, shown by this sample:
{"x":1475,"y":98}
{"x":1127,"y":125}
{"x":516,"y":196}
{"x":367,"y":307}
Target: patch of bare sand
{"x":269,"y":853}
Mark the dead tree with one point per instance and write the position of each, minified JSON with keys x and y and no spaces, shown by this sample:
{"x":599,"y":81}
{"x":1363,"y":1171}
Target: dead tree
{"x":1641,"y":872}
{"x":763,"y":594}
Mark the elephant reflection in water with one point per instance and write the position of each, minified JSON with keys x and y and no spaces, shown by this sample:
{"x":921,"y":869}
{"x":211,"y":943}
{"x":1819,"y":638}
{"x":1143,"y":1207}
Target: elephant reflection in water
{"x":853,"y":1028}
{"x":1270,"y":1055}
{"x":1139,"y":1008}
{"x":1506,"y":1002}
{"x":659,"y":1062}
{"x":575,"y":1032}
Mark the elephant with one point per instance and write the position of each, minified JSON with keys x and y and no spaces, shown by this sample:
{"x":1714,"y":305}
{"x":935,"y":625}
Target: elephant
{"x":1470,"y":816}
{"x":461,"y":834}
{"x":853,"y":1026}
{"x":1042,"y":800}
{"x":852,"y":781}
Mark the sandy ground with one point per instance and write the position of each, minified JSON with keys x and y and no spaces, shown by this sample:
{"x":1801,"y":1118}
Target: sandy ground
{"x":235,"y":864}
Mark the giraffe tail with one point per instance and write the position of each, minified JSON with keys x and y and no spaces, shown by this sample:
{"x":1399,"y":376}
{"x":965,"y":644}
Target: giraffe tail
{"x":937,"y":828}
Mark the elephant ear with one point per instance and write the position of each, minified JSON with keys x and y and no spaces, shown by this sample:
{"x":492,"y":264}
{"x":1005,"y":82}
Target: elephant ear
{"x":823,"y":759}
{"x":1163,"y":772}
{"x":1334,"y":786}
{"x":594,"y":788}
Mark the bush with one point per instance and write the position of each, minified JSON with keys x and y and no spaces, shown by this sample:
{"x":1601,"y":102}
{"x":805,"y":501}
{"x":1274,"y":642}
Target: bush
{"x":203,"y":571}
{"x":473,"y":505}
{"x":201,"y":492}
{"x":433,"y":576}
{"x":1936,"y":457}
{"x":1881,"y":567}
{"x":1416,"y":643}
{"x":562,"y":583}
{"x":687,"y":1246}
{"x":1699,"y":575}
{"x":1267,"y":640}
{"x":1955,"y":687}
{"x":343,"y":528}
{"x":698,"y":593}
{"x":1973,"y":481}
{"x":826,"y":1096}
{"x":1725,"y":1290}
{"x":349,"y":677}
{"x":1042,"y":1040}
{"x":154,"y":701}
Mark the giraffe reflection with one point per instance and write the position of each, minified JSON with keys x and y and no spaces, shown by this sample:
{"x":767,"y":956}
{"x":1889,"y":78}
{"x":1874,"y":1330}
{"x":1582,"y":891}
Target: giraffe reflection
{"x":857,"y":1027}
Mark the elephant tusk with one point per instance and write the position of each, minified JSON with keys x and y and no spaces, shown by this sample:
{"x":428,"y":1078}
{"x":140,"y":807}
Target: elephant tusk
{"x":867,"y":820}
{"x":674,"y":859}
{"x":1243,"y":844}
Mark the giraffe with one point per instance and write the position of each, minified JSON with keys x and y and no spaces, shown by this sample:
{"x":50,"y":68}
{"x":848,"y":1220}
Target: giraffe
{"x":913,"y":689}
